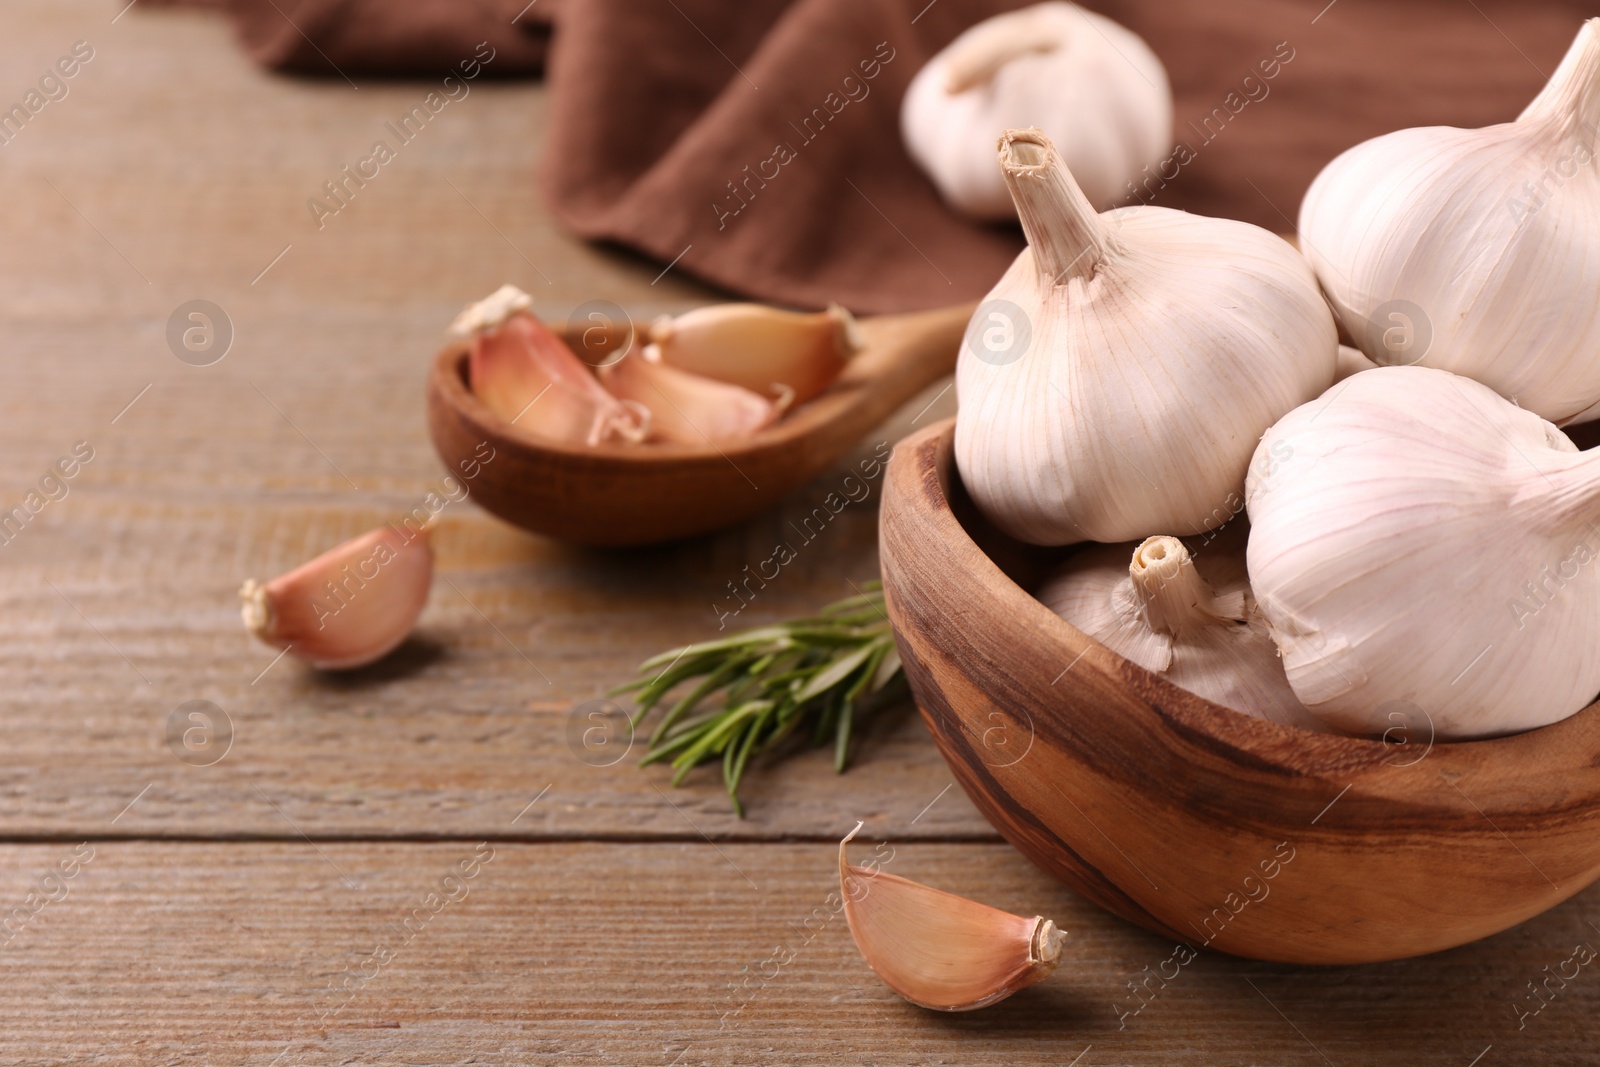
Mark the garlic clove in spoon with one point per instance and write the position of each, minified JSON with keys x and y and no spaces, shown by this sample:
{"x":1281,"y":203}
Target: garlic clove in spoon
{"x":760,"y":348}
{"x":528,"y":376}
{"x":938,"y":950}
{"x":351,"y":605}
{"x":687,"y":408}
{"x":1429,"y":544}
{"x":1188,"y":617}
{"x":1094,"y":87}
{"x":1476,"y":250}
{"x":1115,"y":381}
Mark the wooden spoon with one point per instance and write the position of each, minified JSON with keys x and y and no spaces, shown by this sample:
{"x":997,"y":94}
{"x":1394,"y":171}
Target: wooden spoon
{"x":643,"y":494}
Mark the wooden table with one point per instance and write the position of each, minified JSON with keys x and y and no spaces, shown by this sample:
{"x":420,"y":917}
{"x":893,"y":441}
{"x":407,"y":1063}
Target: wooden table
{"x":248,"y":902}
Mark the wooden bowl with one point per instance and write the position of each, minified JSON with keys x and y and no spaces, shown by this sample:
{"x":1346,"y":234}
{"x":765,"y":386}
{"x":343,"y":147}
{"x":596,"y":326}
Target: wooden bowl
{"x":1194,"y":821}
{"x":644,"y":494}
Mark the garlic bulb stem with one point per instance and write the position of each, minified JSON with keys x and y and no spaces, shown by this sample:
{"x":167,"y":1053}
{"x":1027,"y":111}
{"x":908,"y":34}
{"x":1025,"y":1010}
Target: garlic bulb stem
{"x":1176,"y":598}
{"x":1064,"y":232}
{"x":1570,"y":101}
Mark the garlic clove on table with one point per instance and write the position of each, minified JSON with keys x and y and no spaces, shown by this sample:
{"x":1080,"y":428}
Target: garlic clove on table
{"x":938,"y":950}
{"x":1189,"y":617}
{"x":1476,"y":250}
{"x":1091,"y":85}
{"x":759,"y":348}
{"x":686,"y":408}
{"x":351,"y":605}
{"x":1428,"y":546}
{"x":1115,"y":381}
{"x":528,"y":376}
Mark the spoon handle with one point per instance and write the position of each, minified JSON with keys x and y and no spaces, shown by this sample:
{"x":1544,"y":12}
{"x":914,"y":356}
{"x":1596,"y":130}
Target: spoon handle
{"x":907,"y":353}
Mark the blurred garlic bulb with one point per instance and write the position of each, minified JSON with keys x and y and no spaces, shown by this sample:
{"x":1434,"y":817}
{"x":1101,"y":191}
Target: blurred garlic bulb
{"x":351,"y":605}
{"x":687,"y":408}
{"x":1116,"y":380}
{"x":1476,"y":251}
{"x":528,"y":376}
{"x":939,"y":950}
{"x":760,"y":348}
{"x":1427,"y":542}
{"x":1191,"y":620}
{"x":1090,"y":85}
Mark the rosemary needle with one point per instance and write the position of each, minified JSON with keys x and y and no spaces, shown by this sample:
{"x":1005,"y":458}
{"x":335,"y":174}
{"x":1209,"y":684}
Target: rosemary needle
{"x":752,"y":690}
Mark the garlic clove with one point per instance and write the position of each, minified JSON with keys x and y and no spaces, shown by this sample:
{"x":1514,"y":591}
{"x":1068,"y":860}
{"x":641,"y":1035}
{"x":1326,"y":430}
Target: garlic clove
{"x":1114,"y":382}
{"x":1476,"y":250}
{"x":528,"y":376}
{"x":687,"y":408}
{"x":1094,"y":87}
{"x":760,"y":348}
{"x":351,"y":605}
{"x":1188,"y":616}
{"x":938,"y":950}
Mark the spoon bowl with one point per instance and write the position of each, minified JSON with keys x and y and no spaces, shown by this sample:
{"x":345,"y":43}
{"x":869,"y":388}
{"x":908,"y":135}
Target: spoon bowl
{"x":1202,"y":824}
{"x":616,"y":494}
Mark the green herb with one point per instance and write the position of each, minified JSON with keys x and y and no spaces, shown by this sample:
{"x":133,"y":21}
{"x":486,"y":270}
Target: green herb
{"x":772,"y":681}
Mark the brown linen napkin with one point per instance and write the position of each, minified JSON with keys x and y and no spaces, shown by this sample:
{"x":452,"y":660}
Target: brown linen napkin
{"x":667,"y":116}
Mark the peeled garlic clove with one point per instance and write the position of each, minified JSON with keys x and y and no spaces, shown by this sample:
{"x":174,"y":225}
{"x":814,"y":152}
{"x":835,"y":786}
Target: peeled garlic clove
{"x":759,"y":348}
{"x":686,"y":408}
{"x":939,"y":950}
{"x":1430,"y":545}
{"x":1115,"y":381}
{"x":1476,"y":251}
{"x":351,"y":605}
{"x":528,"y":376}
{"x":1093,"y":87}
{"x":1189,"y":618}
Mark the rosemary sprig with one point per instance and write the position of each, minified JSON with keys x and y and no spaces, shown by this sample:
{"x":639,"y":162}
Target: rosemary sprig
{"x":772,"y":681}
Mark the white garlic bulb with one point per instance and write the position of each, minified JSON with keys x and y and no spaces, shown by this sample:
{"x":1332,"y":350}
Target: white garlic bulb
{"x":1417,"y":540}
{"x":1476,"y":251}
{"x":1116,"y":380}
{"x":1092,"y":86}
{"x":1188,"y":618}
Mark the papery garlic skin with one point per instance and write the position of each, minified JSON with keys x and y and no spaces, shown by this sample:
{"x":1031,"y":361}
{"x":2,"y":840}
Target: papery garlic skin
{"x":1141,"y":355}
{"x":1476,"y":251}
{"x":1094,"y":87}
{"x":687,"y":409}
{"x":763,"y":349}
{"x":351,"y":605}
{"x":1189,"y":617}
{"x":1420,"y":541}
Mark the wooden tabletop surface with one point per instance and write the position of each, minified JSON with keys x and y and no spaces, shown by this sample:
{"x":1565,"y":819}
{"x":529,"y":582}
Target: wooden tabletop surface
{"x":244,"y":900}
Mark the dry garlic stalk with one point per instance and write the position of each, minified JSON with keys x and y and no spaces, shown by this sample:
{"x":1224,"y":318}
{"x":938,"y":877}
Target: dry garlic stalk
{"x":1191,"y":620}
{"x":687,"y":408}
{"x":1115,"y":381}
{"x":1476,"y":251}
{"x":1090,"y":85}
{"x":762,"y":349}
{"x":939,"y":950}
{"x":527,"y":375}
{"x":1428,"y":543}
{"x":351,"y":605}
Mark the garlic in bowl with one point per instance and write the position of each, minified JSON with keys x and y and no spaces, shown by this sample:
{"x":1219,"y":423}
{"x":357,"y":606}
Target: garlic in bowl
{"x":1194,"y":821}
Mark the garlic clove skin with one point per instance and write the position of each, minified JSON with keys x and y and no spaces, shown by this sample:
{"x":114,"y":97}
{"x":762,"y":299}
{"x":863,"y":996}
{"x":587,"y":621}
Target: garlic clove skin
{"x":528,"y":376}
{"x":1094,"y":87}
{"x":1428,"y":544}
{"x":938,"y":950}
{"x":1476,"y":251}
{"x":1142,"y":353}
{"x":687,"y":408}
{"x":1189,"y":617}
{"x":351,"y":605}
{"x":760,"y":348}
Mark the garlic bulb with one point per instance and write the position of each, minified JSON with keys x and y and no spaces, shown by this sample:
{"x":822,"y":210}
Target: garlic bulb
{"x":939,"y":950}
{"x":687,"y":408}
{"x":1193,"y":621}
{"x":1092,"y":86}
{"x":1415,"y":538}
{"x":762,"y":349}
{"x":1476,"y":251}
{"x":1116,"y":380}
{"x":351,"y":605}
